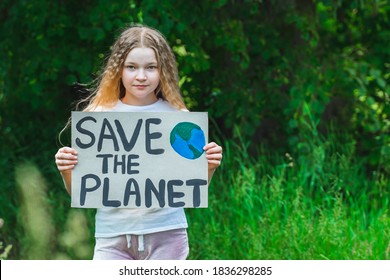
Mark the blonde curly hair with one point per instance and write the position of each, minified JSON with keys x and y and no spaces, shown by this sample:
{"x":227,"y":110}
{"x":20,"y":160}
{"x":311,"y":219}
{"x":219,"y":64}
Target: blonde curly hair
{"x":109,"y":84}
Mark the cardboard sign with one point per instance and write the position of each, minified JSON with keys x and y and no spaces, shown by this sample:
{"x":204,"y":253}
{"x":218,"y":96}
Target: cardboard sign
{"x":133,"y":160}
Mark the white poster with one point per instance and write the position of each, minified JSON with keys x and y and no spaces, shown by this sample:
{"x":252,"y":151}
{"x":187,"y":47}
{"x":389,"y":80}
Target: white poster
{"x":132,"y":160}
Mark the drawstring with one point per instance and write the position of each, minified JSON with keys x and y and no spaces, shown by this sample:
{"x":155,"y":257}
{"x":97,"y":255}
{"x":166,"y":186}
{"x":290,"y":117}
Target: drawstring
{"x":128,"y":238}
{"x":141,"y":245}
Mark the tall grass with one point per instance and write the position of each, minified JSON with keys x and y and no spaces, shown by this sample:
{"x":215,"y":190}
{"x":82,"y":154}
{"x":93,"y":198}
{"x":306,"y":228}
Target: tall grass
{"x":318,"y":204}
{"x":39,"y":223}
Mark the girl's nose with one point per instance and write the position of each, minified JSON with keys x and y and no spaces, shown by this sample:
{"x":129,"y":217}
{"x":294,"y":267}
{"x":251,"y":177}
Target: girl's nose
{"x":141,"y":75}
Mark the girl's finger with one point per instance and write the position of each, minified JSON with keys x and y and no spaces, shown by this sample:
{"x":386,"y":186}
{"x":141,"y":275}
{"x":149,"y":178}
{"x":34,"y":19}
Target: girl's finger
{"x":213,"y":164}
{"x":64,"y":168}
{"x":67,"y":150}
{"x":209,"y":145}
{"x":64,"y":162}
{"x":215,"y":150}
{"x":212,"y":148}
{"x":214,"y":156}
{"x":67,"y":156}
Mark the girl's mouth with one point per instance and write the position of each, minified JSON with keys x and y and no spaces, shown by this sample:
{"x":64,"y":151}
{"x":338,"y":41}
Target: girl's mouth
{"x":140,"y":86}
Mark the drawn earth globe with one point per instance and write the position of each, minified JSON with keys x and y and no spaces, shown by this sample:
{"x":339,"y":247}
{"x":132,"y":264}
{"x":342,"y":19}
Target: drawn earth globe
{"x":188,"y":140}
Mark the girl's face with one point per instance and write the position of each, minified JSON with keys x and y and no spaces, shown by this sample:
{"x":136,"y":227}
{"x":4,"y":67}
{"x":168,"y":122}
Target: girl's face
{"x":140,"y":77}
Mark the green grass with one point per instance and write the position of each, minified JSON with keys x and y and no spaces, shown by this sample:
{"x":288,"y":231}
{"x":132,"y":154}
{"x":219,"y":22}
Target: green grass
{"x":321,"y":207}
{"x":314,"y":205}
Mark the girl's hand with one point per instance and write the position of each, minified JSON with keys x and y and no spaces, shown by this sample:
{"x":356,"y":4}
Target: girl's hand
{"x":213,"y":155}
{"x":66,"y":159}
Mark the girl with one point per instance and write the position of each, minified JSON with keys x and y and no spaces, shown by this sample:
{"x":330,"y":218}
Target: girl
{"x":140,"y":76}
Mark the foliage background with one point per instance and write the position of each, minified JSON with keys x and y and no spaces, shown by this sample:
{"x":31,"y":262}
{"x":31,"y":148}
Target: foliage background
{"x":307,"y":78}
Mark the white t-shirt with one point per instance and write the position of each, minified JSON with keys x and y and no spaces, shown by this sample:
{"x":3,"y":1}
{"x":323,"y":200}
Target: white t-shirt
{"x":112,"y":222}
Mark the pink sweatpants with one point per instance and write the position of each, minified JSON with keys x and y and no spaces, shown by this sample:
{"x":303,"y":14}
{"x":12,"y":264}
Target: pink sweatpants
{"x":166,"y":245}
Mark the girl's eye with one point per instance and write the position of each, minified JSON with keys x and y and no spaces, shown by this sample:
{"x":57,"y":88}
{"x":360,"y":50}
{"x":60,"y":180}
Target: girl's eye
{"x":131,"y":67}
{"x":152,"y":67}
